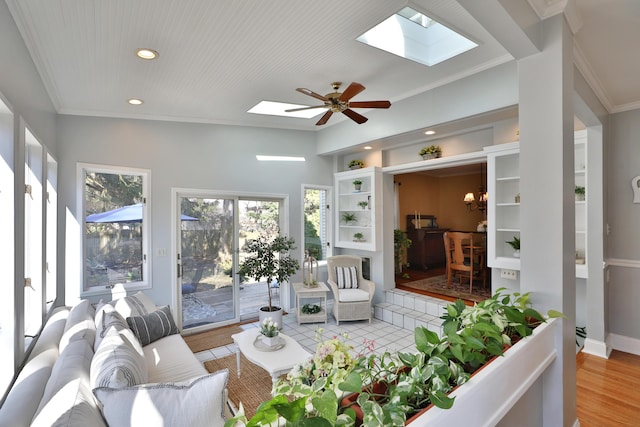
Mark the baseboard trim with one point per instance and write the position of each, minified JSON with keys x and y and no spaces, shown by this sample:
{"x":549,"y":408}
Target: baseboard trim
{"x":597,"y":348}
{"x":624,"y":343}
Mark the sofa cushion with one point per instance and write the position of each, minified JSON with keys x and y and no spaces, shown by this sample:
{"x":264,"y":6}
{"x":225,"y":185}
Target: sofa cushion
{"x":72,"y":405}
{"x":353,"y":295}
{"x":73,"y":363}
{"x":153,"y":326}
{"x":80,"y":324}
{"x":197,"y":402}
{"x":118,"y":362}
{"x":171,"y":360}
{"x":347,"y":277}
{"x":111,"y":318}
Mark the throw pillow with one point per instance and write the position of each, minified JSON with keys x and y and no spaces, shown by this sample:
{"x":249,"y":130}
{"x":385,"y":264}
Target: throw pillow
{"x":118,"y":362}
{"x":347,"y":277}
{"x":193,"y":403}
{"x":153,"y":326}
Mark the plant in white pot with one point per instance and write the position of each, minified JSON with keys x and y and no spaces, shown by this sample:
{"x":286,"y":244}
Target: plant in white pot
{"x":270,"y":259}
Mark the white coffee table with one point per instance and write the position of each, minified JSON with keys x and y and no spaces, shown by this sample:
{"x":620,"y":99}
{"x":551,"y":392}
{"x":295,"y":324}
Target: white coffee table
{"x":276,"y":362}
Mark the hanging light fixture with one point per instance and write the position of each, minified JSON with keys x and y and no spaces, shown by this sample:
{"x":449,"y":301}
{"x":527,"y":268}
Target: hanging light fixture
{"x":470,"y":198}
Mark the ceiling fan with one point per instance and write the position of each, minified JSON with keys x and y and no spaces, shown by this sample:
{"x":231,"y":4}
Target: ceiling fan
{"x":337,"y":102}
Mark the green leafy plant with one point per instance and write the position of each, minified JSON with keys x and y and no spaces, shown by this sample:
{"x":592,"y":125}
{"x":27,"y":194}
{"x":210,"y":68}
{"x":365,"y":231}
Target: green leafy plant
{"x":580,"y":190}
{"x":431,"y":149}
{"x":358,"y":237}
{"x":400,"y":244}
{"x":269,"y":328}
{"x":269,"y":259}
{"x":515,"y":243}
{"x":349,"y":217}
{"x":357,"y":182}
{"x":310,"y":309}
{"x":356,"y":163}
{"x":363,"y":204}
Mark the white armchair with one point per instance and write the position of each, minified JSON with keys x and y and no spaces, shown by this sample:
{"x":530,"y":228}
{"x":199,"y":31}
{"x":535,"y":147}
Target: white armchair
{"x":350,"y":303}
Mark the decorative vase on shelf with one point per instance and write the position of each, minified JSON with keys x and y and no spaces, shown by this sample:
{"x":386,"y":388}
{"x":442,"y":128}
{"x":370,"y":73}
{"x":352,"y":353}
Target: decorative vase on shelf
{"x":516,"y":253}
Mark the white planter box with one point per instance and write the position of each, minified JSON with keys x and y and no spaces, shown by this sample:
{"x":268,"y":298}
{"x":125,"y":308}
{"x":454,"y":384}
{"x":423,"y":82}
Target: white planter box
{"x":497,"y":387}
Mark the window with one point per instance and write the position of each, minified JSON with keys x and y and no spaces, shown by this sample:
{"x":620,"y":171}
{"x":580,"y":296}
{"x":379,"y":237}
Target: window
{"x":51,"y":212}
{"x":116,"y":227}
{"x":316,"y":221}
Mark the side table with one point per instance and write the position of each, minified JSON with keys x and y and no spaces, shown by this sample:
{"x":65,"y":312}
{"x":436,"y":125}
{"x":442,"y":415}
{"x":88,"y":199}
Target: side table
{"x":303,"y":292}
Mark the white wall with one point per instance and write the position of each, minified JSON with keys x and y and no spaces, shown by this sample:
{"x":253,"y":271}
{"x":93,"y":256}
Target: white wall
{"x":181,"y":155}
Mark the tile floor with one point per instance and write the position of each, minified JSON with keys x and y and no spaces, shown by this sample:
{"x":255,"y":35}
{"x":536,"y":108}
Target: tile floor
{"x":385,"y":335}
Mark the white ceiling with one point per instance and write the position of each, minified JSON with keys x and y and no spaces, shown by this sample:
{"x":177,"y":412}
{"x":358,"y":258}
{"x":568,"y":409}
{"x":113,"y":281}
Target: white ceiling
{"x":218,"y":58}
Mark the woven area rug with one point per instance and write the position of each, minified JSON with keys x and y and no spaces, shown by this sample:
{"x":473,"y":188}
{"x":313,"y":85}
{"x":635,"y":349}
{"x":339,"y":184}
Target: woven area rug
{"x":251,"y":389}
{"x":212,"y":339}
{"x":438,"y":285}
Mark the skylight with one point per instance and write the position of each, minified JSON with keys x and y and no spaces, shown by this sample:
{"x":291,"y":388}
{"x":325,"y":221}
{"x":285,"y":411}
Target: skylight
{"x":272,"y":108}
{"x":413,"y":35}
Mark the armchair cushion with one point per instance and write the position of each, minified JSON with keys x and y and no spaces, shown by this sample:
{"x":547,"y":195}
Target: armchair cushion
{"x":353,"y":295}
{"x":347,"y":277}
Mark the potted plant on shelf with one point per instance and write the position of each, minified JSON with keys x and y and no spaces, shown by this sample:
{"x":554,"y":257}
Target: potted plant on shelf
{"x":400,"y":244}
{"x":357,"y":184}
{"x":349,"y":218}
{"x":515,"y":244}
{"x":580,"y":193}
{"x":356,"y":164}
{"x":358,"y":237}
{"x":270,"y":259}
{"x":363,"y":204}
{"x":431,"y":152}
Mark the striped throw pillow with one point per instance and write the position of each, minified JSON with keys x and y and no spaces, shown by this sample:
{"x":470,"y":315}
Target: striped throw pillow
{"x":153,"y":326}
{"x":347,"y":277}
{"x":117,"y":362}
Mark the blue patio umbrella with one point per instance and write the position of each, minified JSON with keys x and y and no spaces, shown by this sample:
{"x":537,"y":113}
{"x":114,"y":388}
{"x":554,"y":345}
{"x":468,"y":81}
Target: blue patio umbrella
{"x":130,"y":213}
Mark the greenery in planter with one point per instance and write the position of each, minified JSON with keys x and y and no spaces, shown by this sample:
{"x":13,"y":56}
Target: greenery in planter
{"x":391,"y":387}
{"x":358,"y":237}
{"x":357,"y":182}
{"x":400,"y":244}
{"x":515,"y":243}
{"x":356,"y":164}
{"x":269,"y":259}
{"x":363,"y":204}
{"x":431,"y":149}
{"x":349,"y":217}
{"x":310,"y":309}
{"x":580,"y":192}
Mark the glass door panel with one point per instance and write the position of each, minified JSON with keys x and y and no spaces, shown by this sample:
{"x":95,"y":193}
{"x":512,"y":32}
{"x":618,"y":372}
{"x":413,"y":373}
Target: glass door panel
{"x":206,"y":260}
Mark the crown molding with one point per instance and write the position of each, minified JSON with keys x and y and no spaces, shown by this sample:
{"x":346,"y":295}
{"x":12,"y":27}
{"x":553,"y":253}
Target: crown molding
{"x":547,"y":8}
{"x":592,"y":79}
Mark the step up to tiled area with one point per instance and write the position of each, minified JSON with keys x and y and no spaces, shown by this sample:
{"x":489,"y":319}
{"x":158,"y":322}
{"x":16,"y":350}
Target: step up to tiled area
{"x":409,"y":310}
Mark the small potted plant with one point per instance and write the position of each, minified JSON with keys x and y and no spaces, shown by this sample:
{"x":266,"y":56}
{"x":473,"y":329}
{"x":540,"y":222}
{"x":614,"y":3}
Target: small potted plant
{"x":356,"y":164}
{"x":363,"y":204}
{"x":580,"y":193}
{"x":357,"y":184}
{"x":269,"y":331}
{"x":515,"y":244}
{"x":349,"y":217}
{"x":358,"y":237}
{"x":431,"y":152}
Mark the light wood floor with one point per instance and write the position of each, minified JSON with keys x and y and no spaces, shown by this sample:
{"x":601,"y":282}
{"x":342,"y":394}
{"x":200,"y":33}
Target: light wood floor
{"x":608,"y":390}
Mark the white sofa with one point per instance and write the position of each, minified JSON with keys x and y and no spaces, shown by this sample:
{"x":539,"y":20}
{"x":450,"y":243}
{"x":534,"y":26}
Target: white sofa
{"x":89,"y":368}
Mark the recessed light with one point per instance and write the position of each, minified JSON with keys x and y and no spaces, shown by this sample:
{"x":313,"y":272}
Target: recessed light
{"x":135,"y":101}
{"x":145,"y":53}
{"x":430,"y":132}
{"x":368,"y":147}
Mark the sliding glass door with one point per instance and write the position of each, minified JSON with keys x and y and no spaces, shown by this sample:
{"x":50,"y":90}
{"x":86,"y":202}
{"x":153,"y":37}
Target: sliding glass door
{"x":212,"y":231}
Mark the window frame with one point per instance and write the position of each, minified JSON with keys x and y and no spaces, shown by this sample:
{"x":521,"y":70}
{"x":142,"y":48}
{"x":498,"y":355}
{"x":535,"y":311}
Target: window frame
{"x":328,"y":220}
{"x":145,"y":283}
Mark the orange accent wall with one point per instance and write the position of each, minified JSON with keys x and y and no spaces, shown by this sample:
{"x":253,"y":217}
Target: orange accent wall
{"x":441,"y":197}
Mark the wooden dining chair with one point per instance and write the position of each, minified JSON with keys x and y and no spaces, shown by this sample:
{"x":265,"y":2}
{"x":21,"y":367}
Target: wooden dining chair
{"x":464,"y":258}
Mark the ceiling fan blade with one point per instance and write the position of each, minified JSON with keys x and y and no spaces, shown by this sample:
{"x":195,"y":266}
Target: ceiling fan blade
{"x":353,"y":89}
{"x":311,"y":93}
{"x":293,"y":110}
{"x":324,"y":118}
{"x":370,"y":104}
{"x":356,"y":117}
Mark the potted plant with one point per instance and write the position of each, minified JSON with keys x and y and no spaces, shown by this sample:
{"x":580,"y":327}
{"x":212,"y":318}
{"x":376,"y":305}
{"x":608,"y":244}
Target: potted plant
{"x":356,"y":164}
{"x":431,"y":152}
{"x":363,"y":204}
{"x":357,"y":184}
{"x":349,"y":217}
{"x":269,"y":332}
{"x":515,"y":244}
{"x":270,"y":259}
{"x":358,"y":237}
{"x":580,"y":193}
{"x":400,"y":244}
